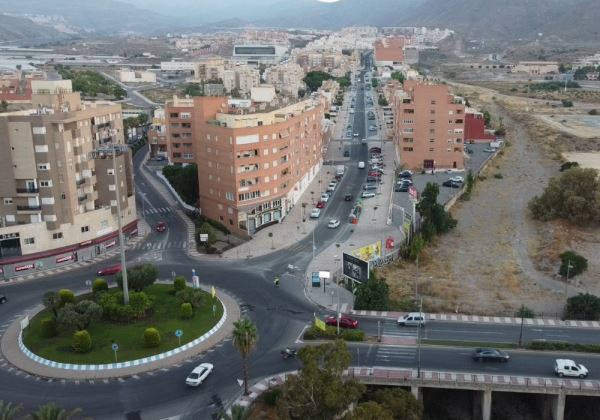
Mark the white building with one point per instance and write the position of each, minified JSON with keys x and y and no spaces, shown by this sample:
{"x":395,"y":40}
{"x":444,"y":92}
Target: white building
{"x":132,"y":76}
{"x":262,"y":93}
{"x":536,"y":67}
{"x":258,"y":53}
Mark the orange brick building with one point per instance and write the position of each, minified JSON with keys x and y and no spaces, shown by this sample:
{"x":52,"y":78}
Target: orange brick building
{"x":389,"y":51}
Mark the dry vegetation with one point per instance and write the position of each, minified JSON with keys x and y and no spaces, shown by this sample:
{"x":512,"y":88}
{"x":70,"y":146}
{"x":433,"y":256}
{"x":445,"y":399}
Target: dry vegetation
{"x":520,"y":89}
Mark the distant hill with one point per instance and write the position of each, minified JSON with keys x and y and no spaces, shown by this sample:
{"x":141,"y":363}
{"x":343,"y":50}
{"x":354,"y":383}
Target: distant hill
{"x":511,"y":19}
{"x":17,"y":30}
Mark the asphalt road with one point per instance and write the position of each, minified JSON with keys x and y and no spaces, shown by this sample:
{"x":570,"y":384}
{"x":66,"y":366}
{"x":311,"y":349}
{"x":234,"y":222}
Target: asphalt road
{"x":280,"y":313}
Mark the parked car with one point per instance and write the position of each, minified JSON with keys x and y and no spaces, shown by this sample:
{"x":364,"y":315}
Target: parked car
{"x":333,"y":223}
{"x":372,"y":128}
{"x":3,"y":299}
{"x":161,"y":226}
{"x":160,"y":158}
{"x":348,"y":197}
{"x":366,"y":194}
{"x":371,"y":179}
{"x":345,"y":321}
{"x":406,"y":174}
{"x":412,"y":319}
{"x":374,"y":174}
{"x":490,"y":355}
{"x":361,"y":165}
{"x":199,"y":374}
{"x":110,"y":270}
{"x":321,"y":204}
{"x":469,"y":150}
{"x":331,"y":187}
{"x":489,"y":150}
{"x":451,"y":184}
{"x":370,"y":187}
{"x":567,"y":367}
{"x":458,"y":179}
{"x":325,"y":197}
{"x":346,"y":153}
{"x":315,"y":213}
{"x":402,"y":186}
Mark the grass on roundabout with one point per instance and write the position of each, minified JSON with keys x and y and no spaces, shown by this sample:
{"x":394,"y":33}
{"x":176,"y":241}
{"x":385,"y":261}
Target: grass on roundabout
{"x":165,"y":316}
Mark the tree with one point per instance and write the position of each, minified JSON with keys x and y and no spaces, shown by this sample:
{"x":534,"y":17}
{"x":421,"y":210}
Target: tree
{"x":572,"y":264}
{"x":374,"y":82}
{"x":487,"y":117}
{"x":416,"y":246}
{"x":436,"y":220}
{"x":584,"y":306}
{"x":52,"y":412}
{"x":318,"y":391}
{"x":402,"y":404}
{"x":9,"y":411}
{"x":245,"y":337}
{"x":382,"y":101}
{"x":574,"y":195}
{"x":184,"y":179}
{"x":369,"y":410}
{"x":139,"y":277}
{"x":80,"y":315}
{"x":186,"y":311}
{"x":179,"y":283}
{"x":194,"y":297}
{"x":66,"y":296}
{"x":397,"y":75}
{"x":3,"y":106}
{"x":314,"y":79}
{"x":51,"y":300}
{"x":100,"y":285}
{"x":373,"y":294}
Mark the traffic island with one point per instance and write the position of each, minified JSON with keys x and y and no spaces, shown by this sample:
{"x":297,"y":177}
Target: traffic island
{"x":167,"y":336}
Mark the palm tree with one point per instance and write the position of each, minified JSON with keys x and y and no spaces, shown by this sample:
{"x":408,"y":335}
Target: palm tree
{"x":53,"y":412}
{"x":245,"y":337}
{"x":9,"y":411}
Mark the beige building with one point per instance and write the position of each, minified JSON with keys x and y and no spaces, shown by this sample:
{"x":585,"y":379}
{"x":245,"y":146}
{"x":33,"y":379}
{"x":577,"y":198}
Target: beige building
{"x":536,"y":67}
{"x":428,"y":127}
{"x":58,"y":194}
{"x":252,"y":166}
{"x":287,"y":78}
{"x":133,"y":76}
{"x":242,"y":78}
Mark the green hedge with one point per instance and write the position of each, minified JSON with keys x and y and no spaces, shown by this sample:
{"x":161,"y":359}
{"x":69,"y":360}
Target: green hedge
{"x":82,"y":341}
{"x":330,"y":333}
{"x":186,"y":311}
{"x":151,"y":337}
{"x":564,"y":346}
{"x":179,"y":283}
{"x":49,"y":329}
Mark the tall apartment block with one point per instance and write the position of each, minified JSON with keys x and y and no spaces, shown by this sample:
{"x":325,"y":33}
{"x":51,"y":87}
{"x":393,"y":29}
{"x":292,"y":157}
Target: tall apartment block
{"x":429,"y":127}
{"x":57,"y":180}
{"x":252,"y":166}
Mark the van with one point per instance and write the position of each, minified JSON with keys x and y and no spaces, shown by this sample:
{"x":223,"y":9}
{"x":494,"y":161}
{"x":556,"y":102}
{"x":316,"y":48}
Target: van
{"x":412,"y":319}
{"x":361,"y":165}
{"x":340,"y":169}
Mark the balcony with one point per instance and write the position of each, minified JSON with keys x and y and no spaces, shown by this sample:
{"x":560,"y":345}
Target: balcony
{"x":28,"y":190}
{"x":82,"y":198}
{"x":29,"y":208}
{"x":80,"y":181}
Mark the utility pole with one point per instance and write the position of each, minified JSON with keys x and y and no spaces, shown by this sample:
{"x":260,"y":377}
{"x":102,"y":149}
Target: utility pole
{"x":521,"y":332}
{"x":419,"y":340}
{"x":569,"y":266}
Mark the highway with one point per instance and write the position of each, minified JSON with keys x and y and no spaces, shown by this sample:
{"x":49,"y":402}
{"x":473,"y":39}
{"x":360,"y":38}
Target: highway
{"x":280,"y":314}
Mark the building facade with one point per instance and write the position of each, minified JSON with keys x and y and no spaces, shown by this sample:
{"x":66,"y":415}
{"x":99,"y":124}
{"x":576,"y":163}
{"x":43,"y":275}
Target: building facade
{"x":389,"y":51}
{"x":253,"y":167}
{"x":58,"y":191}
{"x":475,"y":130}
{"x":428,"y":127}
{"x":157,"y":134}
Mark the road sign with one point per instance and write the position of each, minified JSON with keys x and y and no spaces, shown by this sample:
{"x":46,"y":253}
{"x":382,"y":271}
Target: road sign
{"x":178,"y":333}
{"x":240,"y":382}
{"x":204,"y":237}
{"x":115,"y":346}
{"x":196,"y":282}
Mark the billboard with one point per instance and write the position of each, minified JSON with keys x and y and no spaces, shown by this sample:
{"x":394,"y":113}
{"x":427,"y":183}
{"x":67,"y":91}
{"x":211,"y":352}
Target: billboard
{"x":355,"y":268}
{"x":368,"y":252}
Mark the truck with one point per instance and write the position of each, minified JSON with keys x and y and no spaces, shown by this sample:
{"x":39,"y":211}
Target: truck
{"x":340,"y":169}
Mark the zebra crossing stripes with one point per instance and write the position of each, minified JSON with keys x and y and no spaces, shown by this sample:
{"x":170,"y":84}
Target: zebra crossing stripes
{"x":154,"y":210}
{"x":395,"y":354}
{"x":391,"y":328}
{"x":160,"y":245}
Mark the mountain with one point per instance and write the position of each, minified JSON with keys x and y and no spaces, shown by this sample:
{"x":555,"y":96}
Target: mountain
{"x":16,"y":30}
{"x":511,"y":19}
{"x":107,"y":17}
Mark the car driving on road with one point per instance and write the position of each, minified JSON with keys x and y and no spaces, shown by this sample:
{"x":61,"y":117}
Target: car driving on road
{"x":333,"y":223}
{"x":490,"y":355}
{"x":367,"y":194}
{"x":199,"y":374}
{"x":568,"y":367}
{"x":110,"y":270}
{"x":412,"y":319}
{"x":345,"y":321}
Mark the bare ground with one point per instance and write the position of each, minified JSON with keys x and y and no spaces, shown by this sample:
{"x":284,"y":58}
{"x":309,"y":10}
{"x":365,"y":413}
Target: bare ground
{"x":498,"y":258}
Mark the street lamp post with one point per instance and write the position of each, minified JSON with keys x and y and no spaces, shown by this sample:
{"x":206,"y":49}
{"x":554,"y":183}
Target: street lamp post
{"x":569,"y":266}
{"x":419,"y":340}
{"x":103,"y":151}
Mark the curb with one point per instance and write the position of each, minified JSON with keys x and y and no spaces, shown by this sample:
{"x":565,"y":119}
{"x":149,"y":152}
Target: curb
{"x":258,"y":388}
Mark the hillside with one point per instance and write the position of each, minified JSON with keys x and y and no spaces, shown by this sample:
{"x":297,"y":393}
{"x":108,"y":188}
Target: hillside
{"x":511,"y":19}
{"x":14,"y":29}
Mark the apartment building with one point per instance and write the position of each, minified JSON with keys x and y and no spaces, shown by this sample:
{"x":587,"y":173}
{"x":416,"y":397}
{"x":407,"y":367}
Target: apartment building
{"x":15,"y":86}
{"x":157,"y":134}
{"x":536,"y":67}
{"x":242,"y":78}
{"x":179,"y":127}
{"x":389,"y":51}
{"x":252,"y":166}
{"x":287,"y":78}
{"x":428,"y":127}
{"x":57,"y":180}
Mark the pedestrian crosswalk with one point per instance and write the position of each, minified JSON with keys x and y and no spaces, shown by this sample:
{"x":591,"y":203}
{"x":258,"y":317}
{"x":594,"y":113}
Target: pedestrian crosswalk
{"x":160,"y":245}
{"x":391,"y":329}
{"x":396,"y":355}
{"x":154,"y":210}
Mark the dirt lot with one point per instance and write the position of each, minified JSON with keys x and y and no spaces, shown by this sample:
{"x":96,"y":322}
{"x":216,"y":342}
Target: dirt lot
{"x":520,"y":89}
{"x":498,"y":258}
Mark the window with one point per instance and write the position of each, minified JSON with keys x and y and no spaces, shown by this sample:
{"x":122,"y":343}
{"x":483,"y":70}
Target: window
{"x":8,"y":201}
{"x":432,"y":111}
{"x":407,"y":149}
{"x":229,"y":196}
{"x":433,"y":102}
{"x":63,"y":196}
{"x":57,"y":235}
{"x":110,"y":171}
{"x":9,"y":217}
{"x":185,"y":115}
{"x":41,"y":149}
{"x":431,"y":149}
{"x":43,"y":167}
{"x":29,"y":241}
{"x":431,"y":121}
{"x":85,"y":229}
{"x":39,"y":130}
{"x":431,"y":140}
{"x":46,"y":183}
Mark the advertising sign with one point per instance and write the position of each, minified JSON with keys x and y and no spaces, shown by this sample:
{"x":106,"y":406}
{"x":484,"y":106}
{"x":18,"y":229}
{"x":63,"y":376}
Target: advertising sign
{"x":355,"y":268}
{"x":316,"y":280}
{"x":24,"y":267}
{"x":64,"y":259}
{"x":368,"y":252}
{"x":111,"y":243}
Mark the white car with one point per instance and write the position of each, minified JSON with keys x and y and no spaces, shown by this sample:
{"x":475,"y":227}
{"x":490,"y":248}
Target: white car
{"x":489,"y":150}
{"x":458,"y":179}
{"x":567,"y":367}
{"x":325,"y":197}
{"x":331,"y":186}
{"x":367,"y":194}
{"x":355,"y":134}
{"x":315,"y":213}
{"x":199,"y":374}
{"x":412,"y":319}
{"x":333,"y":223}
{"x":361,"y":165}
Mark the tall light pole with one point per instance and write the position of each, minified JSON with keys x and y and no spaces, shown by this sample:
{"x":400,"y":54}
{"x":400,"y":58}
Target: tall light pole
{"x":569,"y":266}
{"x":103,"y":151}
{"x":419,"y":339}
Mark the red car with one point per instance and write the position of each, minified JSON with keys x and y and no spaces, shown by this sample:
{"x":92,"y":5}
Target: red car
{"x":375,"y":174}
{"x":110,"y":270}
{"x":321,"y":205}
{"x":345,"y":321}
{"x":161,"y":226}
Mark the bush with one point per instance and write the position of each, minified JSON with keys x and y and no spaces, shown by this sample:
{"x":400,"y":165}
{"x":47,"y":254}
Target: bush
{"x":584,"y":306}
{"x":114,"y":310}
{"x":82,"y":341}
{"x":577,"y":263}
{"x":498,"y":175}
{"x":151,"y":337}
{"x":66,"y":296}
{"x":525,"y":312}
{"x":563,"y":346}
{"x":566,"y":103}
{"x":330,"y":333}
{"x":568,"y":165}
{"x":179,"y":283}
{"x":49,"y":329}
{"x":186,"y":311}
{"x":270,"y":397}
{"x":373,"y":295}
{"x":100,"y":285}
{"x":139,"y":277}
{"x":593,"y":112}
{"x":193,"y":296}
{"x":140,"y":304}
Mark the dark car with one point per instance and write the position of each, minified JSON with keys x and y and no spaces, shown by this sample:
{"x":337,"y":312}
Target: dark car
{"x":375,"y":150}
{"x":346,"y":153}
{"x":345,"y":321}
{"x":3,"y":299}
{"x":110,"y":270}
{"x":405,"y":175}
{"x":490,"y":355}
{"x":402,"y":186}
{"x":451,"y":184}
{"x":161,"y":226}
{"x":348,"y":197}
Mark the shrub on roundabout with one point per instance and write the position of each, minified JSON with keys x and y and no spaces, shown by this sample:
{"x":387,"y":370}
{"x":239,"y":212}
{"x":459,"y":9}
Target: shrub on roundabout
{"x":179,"y":283}
{"x":82,"y":341}
{"x":151,"y":337}
{"x":100,"y":285}
{"x":186,"y":311}
{"x":66,"y":296}
{"x":49,"y":329}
